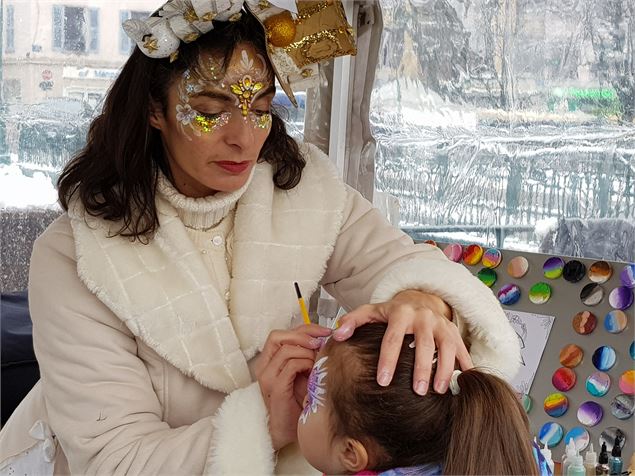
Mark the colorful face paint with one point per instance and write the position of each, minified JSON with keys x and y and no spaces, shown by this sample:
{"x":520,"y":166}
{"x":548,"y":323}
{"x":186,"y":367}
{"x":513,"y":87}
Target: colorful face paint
{"x":563,"y":379}
{"x":598,"y":384}
{"x":627,"y":382}
{"x":600,"y":272}
{"x":550,"y":434}
{"x":454,"y":251}
{"x":592,"y":294}
{"x":492,"y":258}
{"x":540,"y":293}
{"x":627,"y":276}
{"x":556,"y":405}
{"x":210,"y":122}
{"x":552,"y":268}
{"x":604,"y":357}
{"x":249,"y":78}
{"x":615,"y":322}
{"x":518,"y":267}
{"x":509,"y":294}
{"x":574,"y":271}
{"x":487,"y":276}
{"x":623,"y":406}
{"x":571,"y":355}
{"x":580,"y":437}
{"x":316,"y":389}
{"x":245,"y":82}
{"x":526,"y":401}
{"x":621,"y":298}
{"x":609,"y":436}
{"x":584,"y":322}
{"x":472,"y":254}
{"x":590,"y":413}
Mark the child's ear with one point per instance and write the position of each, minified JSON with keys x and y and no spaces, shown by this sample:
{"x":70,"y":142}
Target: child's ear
{"x":156,"y":117}
{"x":353,"y":455}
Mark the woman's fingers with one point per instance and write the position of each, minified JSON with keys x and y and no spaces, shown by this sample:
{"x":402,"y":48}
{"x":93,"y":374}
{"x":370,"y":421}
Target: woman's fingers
{"x":307,"y":336}
{"x":357,"y":317}
{"x":390,"y":350}
{"x":286,"y":352}
{"x":424,"y":358}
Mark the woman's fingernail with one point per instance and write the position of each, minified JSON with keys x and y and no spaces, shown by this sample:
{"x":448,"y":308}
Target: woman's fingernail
{"x":441,"y":386}
{"x":421,"y":387}
{"x":315,"y":343}
{"x":343,"y":332}
{"x":384,"y":378}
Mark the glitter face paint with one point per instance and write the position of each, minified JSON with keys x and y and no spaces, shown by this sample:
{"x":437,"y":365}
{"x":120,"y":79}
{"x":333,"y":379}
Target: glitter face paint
{"x":245,"y":82}
{"x":316,"y":389}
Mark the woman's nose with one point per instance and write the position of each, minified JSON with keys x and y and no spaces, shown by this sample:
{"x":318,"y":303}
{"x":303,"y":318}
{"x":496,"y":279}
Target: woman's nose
{"x":240,"y":130}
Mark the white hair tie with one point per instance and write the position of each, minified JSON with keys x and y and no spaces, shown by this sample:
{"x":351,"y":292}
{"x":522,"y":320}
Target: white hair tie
{"x":454,"y":384}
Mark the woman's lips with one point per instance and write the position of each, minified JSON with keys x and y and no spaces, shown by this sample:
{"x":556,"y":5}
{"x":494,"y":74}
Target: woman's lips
{"x":234,"y":167}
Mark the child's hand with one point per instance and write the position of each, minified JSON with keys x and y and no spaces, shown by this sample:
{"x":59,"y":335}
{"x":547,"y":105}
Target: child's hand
{"x":282,"y":370}
{"x":427,"y":317}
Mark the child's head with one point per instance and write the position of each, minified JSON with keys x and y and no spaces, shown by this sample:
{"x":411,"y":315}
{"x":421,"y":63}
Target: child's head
{"x":350,"y":423}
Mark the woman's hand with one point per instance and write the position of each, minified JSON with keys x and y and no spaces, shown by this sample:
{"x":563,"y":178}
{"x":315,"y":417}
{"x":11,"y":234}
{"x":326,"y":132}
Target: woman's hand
{"x":426,"y":316}
{"x":282,"y":371}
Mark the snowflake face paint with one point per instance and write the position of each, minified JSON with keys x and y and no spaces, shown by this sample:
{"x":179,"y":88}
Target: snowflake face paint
{"x":316,"y":389}
{"x":243,"y":81}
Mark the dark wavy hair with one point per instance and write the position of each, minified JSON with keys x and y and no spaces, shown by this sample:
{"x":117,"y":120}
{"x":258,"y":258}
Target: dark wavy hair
{"x":481,"y":430}
{"x":116,"y":173}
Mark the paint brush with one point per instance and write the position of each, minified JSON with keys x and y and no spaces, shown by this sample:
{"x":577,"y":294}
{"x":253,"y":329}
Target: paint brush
{"x":305,"y":314}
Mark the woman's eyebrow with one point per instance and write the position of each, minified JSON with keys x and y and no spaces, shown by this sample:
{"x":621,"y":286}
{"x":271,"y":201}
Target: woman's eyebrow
{"x":216,"y":95}
{"x":265,"y":92}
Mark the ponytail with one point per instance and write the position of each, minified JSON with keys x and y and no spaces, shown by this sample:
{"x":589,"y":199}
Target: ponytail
{"x":489,"y":430}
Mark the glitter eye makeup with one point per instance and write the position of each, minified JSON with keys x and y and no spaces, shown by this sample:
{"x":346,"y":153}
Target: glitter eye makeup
{"x":210,"y":122}
{"x":316,"y":389}
{"x":262,"y":120}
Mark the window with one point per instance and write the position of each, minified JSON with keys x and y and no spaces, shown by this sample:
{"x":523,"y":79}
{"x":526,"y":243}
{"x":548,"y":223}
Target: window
{"x":10,"y":27}
{"x":12,"y":90}
{"x":126,"y":45}
{"x":75,"y":29}
{"x":93,"y":31}
{"x":498,"y":121}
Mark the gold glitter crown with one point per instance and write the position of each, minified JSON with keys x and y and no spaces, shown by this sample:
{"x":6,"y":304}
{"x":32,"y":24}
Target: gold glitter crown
{"x":299,"y":33}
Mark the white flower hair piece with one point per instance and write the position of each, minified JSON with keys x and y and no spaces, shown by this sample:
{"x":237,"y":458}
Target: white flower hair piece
{"x":313,"y":32}
{"x":185,"y":20}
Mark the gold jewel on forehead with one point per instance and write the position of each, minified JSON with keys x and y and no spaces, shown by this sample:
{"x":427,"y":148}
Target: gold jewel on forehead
{"x":245,"y":90}
{"x":252,"y":81}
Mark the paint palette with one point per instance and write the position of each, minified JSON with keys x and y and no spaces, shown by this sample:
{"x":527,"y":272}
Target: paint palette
{"x":585,"y":380}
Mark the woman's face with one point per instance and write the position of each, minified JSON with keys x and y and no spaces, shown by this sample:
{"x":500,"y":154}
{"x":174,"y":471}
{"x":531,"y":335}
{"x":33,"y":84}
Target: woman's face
{"x":216,"y":122}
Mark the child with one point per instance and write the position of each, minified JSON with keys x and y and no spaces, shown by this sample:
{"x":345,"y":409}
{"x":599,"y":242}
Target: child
{"x":351,"y":424}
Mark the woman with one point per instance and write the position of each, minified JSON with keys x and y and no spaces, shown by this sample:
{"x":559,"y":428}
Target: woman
{"x":190,"y":213}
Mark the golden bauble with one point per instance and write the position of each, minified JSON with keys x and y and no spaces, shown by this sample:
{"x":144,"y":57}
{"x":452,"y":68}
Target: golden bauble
{"x":280,"y":29}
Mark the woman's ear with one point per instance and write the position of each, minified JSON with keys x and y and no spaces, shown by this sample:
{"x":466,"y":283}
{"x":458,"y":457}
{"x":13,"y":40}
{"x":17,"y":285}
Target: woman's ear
{"x":352,"y":455}
{"x":157,"y":119}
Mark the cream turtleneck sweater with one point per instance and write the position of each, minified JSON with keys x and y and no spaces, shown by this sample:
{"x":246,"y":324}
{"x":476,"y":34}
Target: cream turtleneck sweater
{"x":209,"y":222}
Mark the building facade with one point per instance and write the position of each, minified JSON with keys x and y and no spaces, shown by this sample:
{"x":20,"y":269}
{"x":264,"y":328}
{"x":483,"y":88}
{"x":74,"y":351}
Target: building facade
{"x":65,"y":48}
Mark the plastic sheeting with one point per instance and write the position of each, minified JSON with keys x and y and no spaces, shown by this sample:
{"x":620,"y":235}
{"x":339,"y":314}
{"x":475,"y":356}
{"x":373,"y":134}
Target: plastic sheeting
{"x":496,"y":119}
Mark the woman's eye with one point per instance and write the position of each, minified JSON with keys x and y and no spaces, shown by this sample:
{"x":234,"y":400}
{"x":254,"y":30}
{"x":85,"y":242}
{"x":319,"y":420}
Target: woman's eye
{"x":261,"y":112}
{"x":210,"y":115}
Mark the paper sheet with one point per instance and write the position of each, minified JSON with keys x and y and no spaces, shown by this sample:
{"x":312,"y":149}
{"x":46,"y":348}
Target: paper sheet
{"x":533,"y":331}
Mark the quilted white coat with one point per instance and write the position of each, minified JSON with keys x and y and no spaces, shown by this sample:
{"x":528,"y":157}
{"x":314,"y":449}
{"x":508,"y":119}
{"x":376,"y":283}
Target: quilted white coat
{"x":145,"y":369}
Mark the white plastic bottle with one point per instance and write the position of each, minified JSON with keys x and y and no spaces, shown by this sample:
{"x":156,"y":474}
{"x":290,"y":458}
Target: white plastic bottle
{"x":590,"y":461}
{"x":546,"y":453}
{"x":570,"y":452}
{"x":576,"y":466}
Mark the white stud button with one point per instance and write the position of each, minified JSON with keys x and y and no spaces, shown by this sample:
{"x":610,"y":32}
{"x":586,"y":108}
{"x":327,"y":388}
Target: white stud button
{"x":217,"y":240}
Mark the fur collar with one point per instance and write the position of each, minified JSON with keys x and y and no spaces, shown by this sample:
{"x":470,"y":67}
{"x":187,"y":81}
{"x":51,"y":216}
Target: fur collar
{"x":166,"y":297}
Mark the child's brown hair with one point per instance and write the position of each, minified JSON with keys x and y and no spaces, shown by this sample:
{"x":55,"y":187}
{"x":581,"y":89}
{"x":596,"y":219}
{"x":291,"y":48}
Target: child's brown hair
{"x":481,"y":430}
